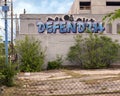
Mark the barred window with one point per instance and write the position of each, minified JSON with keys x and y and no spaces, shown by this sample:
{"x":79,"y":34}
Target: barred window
{"x":85,"y":5}
{"x":116,"y":3}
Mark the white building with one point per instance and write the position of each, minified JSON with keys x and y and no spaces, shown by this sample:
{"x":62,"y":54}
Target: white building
{"x":98,"y":8}
{"x":60,"y":43}
{"x":94,"y":6}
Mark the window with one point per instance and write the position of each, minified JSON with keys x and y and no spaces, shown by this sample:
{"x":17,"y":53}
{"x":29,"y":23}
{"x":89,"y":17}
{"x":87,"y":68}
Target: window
{"x":113,"y":3}
{"x":31,"y":28}
{"x":85,"y":5}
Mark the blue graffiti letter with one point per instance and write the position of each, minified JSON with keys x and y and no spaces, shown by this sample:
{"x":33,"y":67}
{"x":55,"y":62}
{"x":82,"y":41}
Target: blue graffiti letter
{"x":41,"y":27}
{"x":49,"y":27}
{"x":63,"y":27}
{"x":81,"y":27}
{"x":101,"y":28}
{"x":55,"y":26}
{"x":71,"y":27}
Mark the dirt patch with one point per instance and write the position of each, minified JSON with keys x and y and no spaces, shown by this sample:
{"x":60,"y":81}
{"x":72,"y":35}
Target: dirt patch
{"x":67,"y":83}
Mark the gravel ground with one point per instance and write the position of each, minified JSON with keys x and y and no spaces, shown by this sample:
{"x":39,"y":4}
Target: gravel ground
{"x":66,"y":83}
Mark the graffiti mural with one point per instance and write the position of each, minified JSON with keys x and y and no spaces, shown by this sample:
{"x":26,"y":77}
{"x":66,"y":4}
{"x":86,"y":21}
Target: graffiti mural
{"x":69,"y":25}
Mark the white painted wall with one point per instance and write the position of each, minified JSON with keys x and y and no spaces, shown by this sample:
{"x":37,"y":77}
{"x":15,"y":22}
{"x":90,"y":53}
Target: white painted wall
{"x":56,"y":43}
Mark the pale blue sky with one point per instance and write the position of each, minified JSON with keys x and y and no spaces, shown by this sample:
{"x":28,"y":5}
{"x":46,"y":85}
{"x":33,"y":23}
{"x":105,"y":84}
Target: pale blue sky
{"x":38,"y":7}
{"x":42,"y":6}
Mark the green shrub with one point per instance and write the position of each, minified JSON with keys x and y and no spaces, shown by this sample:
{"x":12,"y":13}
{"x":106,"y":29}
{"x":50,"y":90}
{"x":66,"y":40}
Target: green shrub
{"x":1,"y":79}
{"x":56,"y":64}
{"x":7,"y":72}
{"x":94,"y":52}
{"x":2,"y":55}
{"x":2,"y":62}
{"x":7,"y":76}
{"x":31,"y":55}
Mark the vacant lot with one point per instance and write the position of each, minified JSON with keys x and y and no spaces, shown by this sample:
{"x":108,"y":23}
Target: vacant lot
{"x":67,"y":83}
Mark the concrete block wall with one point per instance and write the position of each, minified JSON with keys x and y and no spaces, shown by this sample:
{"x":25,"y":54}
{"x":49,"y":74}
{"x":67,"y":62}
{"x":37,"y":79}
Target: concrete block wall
{"x":56,"y":44}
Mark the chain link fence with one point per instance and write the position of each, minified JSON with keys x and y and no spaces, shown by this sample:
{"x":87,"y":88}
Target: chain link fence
{"x":64,"y":83}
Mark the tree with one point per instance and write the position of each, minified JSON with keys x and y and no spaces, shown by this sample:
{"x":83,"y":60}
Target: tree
{"x":112,"y":16}
{"x":31,"y":55}
{"x":2,"y":53}
{"x":94,"y":51}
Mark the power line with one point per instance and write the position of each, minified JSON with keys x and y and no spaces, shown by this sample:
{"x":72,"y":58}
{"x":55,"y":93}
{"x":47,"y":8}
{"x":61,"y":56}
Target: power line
{"x":25,"y":18}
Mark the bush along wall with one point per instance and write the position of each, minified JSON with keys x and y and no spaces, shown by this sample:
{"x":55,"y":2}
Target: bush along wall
{"x":31,"y":55}
{"x":94,"y":52}
{"x":56,"y":64}
{"x":7,"y":76}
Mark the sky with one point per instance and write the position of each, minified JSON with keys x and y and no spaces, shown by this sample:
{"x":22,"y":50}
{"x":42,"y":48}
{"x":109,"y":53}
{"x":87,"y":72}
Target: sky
{"x":42,"y":6}
{"x":36,"y":7}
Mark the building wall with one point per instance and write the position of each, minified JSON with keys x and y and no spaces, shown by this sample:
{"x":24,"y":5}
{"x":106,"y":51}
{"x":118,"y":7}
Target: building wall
{"x":97,"y":7}
{"x":57,"y":44}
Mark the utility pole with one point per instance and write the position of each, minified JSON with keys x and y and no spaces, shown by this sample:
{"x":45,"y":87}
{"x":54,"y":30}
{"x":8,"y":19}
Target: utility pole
{"x":17,"y":26}
{"x":12,"y":27}
{"x":5,"y":8}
